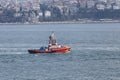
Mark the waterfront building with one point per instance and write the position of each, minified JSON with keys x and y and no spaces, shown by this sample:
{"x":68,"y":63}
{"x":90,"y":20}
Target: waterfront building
{"x":118,"y":3}
{"x":115,"y":7}
{"x":35,"y":4}
{"x":111,"y":1}
{"x":90,"y":4}
{"x":83,"y":3}
{"x":103,"y":1}
{"x":108,"y":6}
{"x":100,"y":6}
{"x":47,"y":13}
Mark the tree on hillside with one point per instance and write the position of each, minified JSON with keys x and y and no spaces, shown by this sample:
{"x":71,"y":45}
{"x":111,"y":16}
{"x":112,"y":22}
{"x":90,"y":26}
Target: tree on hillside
{"x":43,"y":8}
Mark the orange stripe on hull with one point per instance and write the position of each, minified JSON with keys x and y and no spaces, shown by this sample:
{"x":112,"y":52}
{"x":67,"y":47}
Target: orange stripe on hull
{"x":64,"y":49}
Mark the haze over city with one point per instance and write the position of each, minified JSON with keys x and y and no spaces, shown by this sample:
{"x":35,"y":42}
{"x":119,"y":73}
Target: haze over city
{"x":57,"y":10}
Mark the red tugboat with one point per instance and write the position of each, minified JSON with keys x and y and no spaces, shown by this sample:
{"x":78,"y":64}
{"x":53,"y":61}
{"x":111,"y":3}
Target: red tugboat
{"x":53,"y":47}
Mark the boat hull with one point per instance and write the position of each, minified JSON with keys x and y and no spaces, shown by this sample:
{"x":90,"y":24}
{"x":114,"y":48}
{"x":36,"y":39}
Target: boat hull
{"x":36,"y":51}
{"x":65,"y":49}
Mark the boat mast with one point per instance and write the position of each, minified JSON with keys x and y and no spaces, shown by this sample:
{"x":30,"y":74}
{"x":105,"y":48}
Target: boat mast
{"x":52,"y":40}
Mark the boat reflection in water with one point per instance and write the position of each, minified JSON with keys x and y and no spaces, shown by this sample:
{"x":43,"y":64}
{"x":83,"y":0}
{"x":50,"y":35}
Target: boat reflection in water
{"x":53,"y":47}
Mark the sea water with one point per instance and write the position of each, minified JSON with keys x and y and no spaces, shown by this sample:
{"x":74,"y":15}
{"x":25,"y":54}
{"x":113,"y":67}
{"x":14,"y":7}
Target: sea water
{"x":95,"y":52}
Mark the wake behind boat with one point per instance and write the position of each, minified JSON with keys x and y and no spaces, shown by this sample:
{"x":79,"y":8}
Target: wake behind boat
{"x":53,"y":47}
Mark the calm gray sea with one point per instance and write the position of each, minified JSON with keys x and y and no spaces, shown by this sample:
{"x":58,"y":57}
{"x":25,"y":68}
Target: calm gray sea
{"x":95,"y":53}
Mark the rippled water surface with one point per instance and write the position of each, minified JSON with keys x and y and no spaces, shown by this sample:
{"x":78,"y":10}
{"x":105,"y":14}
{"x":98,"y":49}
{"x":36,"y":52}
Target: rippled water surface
{"x":95,"y":53}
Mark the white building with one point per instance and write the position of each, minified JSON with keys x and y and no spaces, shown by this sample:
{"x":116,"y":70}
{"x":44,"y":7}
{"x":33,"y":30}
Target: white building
{"x":47,"y":13}
{"x":116,"y":7}
{"x":108,"y":6}
{"x":35,"y":4}
{"x":90,"y":4}
{"x":100,"y":6}
{"x":103,"y":1}
{"x":111,"y":1}
{"x":83,"y":4}
{"x":118,"y":3}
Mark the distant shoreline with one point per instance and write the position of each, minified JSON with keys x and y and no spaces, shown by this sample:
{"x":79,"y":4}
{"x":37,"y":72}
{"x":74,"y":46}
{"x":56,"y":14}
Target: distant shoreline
{"x":64,"y":22}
